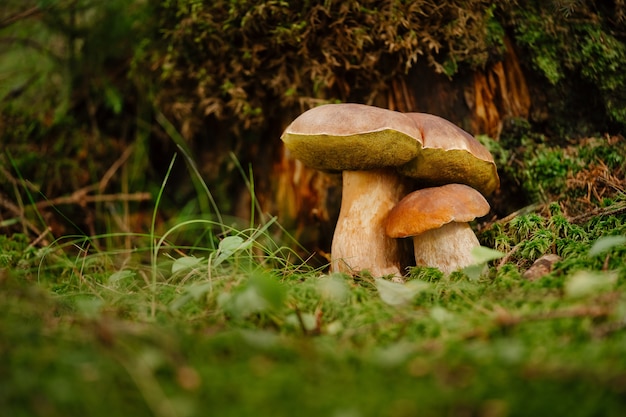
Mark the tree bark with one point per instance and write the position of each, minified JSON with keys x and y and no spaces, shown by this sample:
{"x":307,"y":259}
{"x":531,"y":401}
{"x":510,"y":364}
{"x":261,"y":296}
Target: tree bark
{"x":308,"y":201}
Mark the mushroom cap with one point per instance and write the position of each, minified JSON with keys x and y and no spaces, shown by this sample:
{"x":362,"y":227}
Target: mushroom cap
{"x":431,"y":208}
{"x":450,"y":155}
{"x":349,"y":136}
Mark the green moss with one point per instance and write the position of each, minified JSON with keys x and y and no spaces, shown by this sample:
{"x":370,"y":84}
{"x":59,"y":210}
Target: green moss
{"x":311,"y":50}
{"x":580,"y":44}
{"x":501,"y":342}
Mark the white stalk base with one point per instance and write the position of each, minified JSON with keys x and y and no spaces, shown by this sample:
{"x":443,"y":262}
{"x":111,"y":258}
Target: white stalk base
{"x":448,"y":248}
{"x":359,"y":242}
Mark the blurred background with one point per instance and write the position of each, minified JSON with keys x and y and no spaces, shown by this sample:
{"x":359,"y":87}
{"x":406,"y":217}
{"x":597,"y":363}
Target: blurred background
{"x":97,"y":96}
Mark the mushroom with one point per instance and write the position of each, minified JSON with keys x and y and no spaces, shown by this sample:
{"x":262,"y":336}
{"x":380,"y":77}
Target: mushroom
{"x":437,"y":219}
{"x":365,"y":143}
{"x":376,"y":149}
{"x":450,"y":155}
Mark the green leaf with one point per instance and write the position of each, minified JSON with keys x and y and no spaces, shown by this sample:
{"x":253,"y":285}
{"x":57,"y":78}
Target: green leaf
{"x":113,"y":99}
{"x":474,"y":272}
{"x":120,"y":275}
{"x":309,"y":321}
{"x":333,"y":287}
{"x":483,"y":254}
{"x":193,"y":292}
{"x":606,"y":243}
{"x":89,"y":307}
{"x":269,"y":288}
{"x":263,"y":339}
{"x":441,"y":315}
{"x":585,"y":283}
{"x":396,"y":294}
{"x":393,"y":355}
{"x":186,"y":262}
{"x":229,"y":246}
{"x":261,"y":293}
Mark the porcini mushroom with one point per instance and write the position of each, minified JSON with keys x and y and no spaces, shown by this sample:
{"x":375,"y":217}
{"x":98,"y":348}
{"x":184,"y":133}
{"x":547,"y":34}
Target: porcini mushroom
{"x":437,"y":220}
{"x":365,"y":143}
{"x":450,"y":155}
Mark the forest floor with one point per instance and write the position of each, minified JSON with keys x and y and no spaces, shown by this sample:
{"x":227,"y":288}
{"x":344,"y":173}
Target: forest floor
{"x":240,"y":326}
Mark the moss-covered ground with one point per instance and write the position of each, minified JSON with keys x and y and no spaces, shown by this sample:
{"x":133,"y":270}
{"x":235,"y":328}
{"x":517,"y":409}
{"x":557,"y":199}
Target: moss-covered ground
{"x":240,"y":326}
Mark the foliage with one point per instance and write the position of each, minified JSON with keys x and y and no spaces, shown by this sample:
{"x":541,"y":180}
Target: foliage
{"x":244,"y":62}
{"x":576,"y":45}
{"x":578,"y":173}
{"x":82,"y":82}
{"x":61,"y":58}
{"x":533,"y":235}
{"x":68,"y":111}
{"x":239,"y":329}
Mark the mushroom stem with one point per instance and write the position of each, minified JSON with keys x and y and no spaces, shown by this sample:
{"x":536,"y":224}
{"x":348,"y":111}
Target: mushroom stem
{"x":359,"y":242}
{"x":448,"y":247}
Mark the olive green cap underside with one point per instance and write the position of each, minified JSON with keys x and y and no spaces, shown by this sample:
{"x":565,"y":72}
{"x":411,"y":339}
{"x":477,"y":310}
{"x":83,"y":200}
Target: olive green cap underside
{"x":438,"y":167}
{"x":390,"y":148}
{"x":371,"y":150}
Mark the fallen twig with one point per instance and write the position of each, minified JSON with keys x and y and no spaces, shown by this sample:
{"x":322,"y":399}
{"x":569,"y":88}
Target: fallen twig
{"x":19,"y":213}
{"x":618,"y":208}
{"x":20,"y":16}
{"x":40,"y":238}
{"x":80,"y":197}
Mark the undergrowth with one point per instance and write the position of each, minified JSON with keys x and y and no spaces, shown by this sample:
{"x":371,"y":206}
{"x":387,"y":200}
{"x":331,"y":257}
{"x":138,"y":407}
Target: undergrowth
{"x":237,"y":324}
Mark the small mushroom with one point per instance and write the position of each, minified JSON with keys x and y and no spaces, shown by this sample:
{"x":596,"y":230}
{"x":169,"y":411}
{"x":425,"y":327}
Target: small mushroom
{"x":437,"y":219}
{"x":365,"y":143}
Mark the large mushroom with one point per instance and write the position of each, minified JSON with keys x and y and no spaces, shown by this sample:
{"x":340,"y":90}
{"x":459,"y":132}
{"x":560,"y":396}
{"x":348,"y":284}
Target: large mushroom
{"x":437,"y":220}
{"x":376,"y":149}
{"x":365,"y":143}
{"x":450,"y":155}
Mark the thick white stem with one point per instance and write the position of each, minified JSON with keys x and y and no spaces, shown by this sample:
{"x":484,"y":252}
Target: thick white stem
{"x":448,"y":248}
{"x":359,"y":242}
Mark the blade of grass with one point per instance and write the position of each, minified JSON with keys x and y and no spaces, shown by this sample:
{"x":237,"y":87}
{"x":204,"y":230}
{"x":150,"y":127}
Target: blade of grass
{"x":30,"y":198}
{"x":249,"y":180}
{"x":184,"y":150}
{"x":155,"y":248}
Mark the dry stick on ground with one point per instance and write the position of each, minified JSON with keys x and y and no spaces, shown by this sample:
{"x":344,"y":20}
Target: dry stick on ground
{"x":16,"y":181}
{"x":20,"y":16}
{"x":39,"y":238}
{"x":81,"y":197}
{"x":113,"y":168}
{"x":524,"y":210}
{"x":603,"y":211}
{"x":17,"y":212}
{"x":122,"y":223}
{"x":507,"y":256}
{"x":504,"y":319}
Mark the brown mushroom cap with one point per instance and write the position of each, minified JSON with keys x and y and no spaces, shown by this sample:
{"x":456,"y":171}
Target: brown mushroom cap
{"x":348,"y":136}
{"x":431,"y":208}
{"x":450,"y":155}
